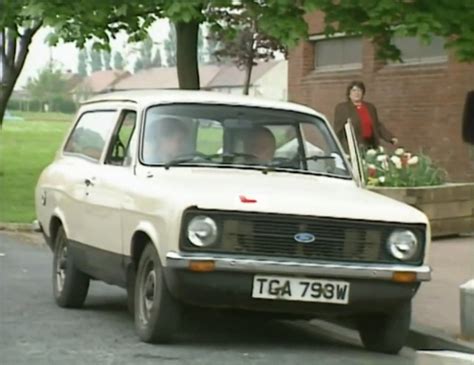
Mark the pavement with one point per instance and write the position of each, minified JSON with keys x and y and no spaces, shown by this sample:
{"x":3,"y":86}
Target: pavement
{"x":436,"y":305}
{"x":34,"y":330}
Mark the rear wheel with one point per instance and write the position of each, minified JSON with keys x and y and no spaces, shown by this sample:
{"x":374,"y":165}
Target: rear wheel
{"x":156,"y":312}
{"x":70,"y":286}
{"x":386,"y":333}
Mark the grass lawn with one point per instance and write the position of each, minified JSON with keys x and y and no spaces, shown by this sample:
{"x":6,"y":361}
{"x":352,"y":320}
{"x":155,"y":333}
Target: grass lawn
{"x":25,"y":149}
{"x":44,"y":117}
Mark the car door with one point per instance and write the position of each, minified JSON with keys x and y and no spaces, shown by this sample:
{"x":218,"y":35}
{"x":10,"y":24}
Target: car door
{"x":81,"y":156}
{"x":105,"y":200}
{"x":355,"y":156}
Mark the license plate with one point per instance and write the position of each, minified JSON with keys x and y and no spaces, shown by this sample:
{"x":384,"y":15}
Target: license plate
{"x":300,"y":289}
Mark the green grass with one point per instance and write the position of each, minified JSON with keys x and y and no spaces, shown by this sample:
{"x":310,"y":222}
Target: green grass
{"x":26,"y":148}
{"x":44,"y":117}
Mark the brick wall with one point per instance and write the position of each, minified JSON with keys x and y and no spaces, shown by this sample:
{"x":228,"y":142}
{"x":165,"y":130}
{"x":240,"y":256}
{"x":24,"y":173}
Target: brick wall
{"x":421,"y":104}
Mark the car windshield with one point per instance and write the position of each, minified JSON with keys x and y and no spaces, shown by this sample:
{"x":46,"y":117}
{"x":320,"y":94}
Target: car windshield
{"x":239,"y":137}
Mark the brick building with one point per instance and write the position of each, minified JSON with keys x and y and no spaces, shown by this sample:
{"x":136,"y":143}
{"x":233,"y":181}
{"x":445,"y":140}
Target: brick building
{"x":420,"y":100}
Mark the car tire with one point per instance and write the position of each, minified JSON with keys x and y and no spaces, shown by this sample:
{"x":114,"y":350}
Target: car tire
{"x":131,"y":279}
{"x":386,"y":333}
{"x":70,"y":285}
{"x":156,"y":312}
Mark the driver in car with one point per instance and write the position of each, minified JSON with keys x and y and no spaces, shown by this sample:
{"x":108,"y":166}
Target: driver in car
{"x":261,"y":144}
{"x":166,"y":139}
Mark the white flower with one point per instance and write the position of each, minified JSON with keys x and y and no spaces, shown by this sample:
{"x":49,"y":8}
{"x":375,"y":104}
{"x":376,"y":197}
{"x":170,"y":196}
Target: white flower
{"x":407,"y":155}
{"x":381,"y":149}
{"x":413,"y":160}
{"x":396,"y":161}
{"x":371,"y":152}
{"x":381,"y":179}
{"x":399,"y":151}
{"x":385,"y":165}
{"x":381,"y":158}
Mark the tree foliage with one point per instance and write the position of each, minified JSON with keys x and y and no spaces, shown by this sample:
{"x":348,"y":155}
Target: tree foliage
{"x":96,"y":61}
{"x":107,"y":60}
{"x":82,"y":63}
{"x":119,"y":62}
{"x":170,"y":47}
{"x":382,"y":20}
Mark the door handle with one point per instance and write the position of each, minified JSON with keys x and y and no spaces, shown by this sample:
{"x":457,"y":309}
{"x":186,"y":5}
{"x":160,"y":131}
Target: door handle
{"x":89,"y":182}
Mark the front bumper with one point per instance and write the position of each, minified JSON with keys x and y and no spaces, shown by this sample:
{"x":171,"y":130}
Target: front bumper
{"x":229,"y":285}
{"x":268,"y":266}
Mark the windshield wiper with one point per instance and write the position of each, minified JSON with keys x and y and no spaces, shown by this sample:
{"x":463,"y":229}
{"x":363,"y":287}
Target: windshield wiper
{"x":200,"y":157}
{"x":317,"y":157}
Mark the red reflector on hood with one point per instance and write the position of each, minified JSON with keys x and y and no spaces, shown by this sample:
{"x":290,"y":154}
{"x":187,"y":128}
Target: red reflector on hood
{"x":244,"y":199}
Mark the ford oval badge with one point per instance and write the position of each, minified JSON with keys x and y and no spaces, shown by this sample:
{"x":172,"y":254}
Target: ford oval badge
{"x":305,"y":237}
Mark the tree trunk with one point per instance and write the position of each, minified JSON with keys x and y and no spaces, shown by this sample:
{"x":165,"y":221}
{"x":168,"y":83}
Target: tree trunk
{"x":13,"y":52}
{"x":248,"y":76}
{"x":186,"y":55}
{"x":5,"y":93}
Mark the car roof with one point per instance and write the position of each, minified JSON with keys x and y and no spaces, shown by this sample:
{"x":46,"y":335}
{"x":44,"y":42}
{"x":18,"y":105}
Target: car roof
{"x":146,"y":98}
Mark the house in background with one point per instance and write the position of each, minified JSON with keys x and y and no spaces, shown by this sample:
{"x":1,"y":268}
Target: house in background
{"x":97,"y":82}
{"x":269,"y":79}
{"x":162,"y":78}
{"x":421,"y":100}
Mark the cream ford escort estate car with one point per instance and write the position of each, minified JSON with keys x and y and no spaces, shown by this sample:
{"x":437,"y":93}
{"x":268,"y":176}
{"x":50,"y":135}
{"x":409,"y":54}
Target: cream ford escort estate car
{"x":222,"y":201}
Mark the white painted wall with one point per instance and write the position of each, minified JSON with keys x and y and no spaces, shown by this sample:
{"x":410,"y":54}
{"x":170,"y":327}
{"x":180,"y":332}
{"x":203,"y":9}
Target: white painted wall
{"x":274,"y":84}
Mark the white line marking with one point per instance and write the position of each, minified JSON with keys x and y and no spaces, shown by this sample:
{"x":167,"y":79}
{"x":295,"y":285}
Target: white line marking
{"x":450,"y":354}
{"x":2,"y":254}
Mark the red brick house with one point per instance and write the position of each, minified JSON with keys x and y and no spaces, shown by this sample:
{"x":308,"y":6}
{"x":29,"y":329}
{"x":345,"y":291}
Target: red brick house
{"x":420,"y":100}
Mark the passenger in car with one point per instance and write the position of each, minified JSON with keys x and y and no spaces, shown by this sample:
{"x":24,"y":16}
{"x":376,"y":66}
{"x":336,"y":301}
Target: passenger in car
{"x":166,"y":140}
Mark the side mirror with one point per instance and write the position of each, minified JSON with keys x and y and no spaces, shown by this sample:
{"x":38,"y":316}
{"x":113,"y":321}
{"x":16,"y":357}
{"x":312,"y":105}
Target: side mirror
{"x":468,"y":119}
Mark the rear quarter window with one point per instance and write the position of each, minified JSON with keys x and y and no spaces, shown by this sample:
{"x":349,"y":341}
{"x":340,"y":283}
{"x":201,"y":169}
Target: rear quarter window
{"x":90,"y":134}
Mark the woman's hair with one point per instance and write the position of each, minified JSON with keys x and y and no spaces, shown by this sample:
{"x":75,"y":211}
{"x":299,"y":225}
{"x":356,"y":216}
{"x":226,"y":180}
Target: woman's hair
{"x":359,"y":84}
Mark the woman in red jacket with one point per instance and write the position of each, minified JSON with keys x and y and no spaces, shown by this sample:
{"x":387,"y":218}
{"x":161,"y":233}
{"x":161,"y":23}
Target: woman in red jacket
{"x":363,"y":115}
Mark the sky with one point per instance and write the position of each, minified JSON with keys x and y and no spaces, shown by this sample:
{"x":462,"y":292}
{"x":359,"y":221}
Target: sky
{"x":65,"y":54}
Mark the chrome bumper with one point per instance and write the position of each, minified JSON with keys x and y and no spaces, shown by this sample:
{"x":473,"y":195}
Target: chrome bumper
{"x":268,"y":266}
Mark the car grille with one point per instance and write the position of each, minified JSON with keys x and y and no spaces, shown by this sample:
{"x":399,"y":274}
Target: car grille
{"x":273,"y":235}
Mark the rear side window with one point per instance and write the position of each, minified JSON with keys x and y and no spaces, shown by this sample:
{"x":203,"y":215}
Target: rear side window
{"x":90,"y":134}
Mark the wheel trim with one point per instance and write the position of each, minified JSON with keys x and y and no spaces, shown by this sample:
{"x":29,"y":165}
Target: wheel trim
{"x":147,"y":292}
{"x":61,"y":266}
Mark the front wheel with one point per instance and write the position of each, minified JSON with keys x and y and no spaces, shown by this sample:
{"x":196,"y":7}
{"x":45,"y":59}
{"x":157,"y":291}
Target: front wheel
{"x":156,"y":312}
{"x":70,"y":285}
{"x":386,"y":333}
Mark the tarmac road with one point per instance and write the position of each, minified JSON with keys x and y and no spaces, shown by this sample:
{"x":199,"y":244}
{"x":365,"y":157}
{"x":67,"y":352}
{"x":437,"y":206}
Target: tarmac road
{"x":33,"y":330}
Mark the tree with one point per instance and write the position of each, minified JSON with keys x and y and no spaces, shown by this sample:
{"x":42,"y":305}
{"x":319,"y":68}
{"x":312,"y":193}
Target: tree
{"x":106,"y":60}
{"x":95,"y":61}
{"x":242,"y":40}
{"x":145,"y":50}
{"x":156,"y":62}
{"x":82,"y":63}
{"x":17,"y":28}
{"x":99,"y":21}
{"x":170,"y":46}
{"x":119,"y":63}
{"x":201,"y":47}
{"x":50,"y":87}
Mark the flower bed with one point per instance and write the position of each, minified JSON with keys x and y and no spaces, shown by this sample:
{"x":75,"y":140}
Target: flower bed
{"x":416,"y":181}
{"x":401,"y":169}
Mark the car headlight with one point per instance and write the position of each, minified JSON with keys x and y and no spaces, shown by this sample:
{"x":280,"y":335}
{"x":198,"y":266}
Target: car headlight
{"x":402,"y":244}
{"x":202,"y":231}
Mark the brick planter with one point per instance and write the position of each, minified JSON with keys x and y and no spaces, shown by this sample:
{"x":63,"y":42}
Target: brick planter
{"x":449,"y":207}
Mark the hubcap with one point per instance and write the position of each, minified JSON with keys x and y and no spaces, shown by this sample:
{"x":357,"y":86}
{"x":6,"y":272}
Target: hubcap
{"x":147,"y":292}
{"x":61,"y":265}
